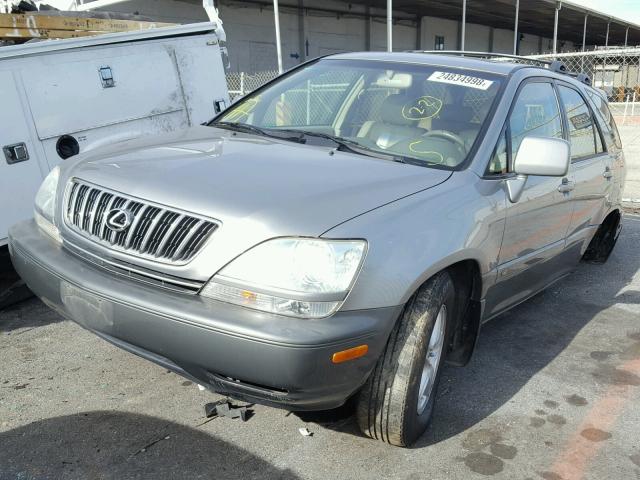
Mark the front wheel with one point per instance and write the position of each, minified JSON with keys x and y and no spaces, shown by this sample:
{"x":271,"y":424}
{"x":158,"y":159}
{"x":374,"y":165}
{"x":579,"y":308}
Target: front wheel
{"x":396,"y":403}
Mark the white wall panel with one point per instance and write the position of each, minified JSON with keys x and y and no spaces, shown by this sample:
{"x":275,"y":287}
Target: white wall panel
{"x":251,"y":35}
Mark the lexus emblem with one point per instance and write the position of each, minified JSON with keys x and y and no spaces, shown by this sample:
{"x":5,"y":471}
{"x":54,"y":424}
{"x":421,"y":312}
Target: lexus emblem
{"x":119,"y":219}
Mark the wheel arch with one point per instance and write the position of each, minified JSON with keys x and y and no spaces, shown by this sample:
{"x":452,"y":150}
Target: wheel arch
{"x":467,"y":280}
{"x":603,"y":241}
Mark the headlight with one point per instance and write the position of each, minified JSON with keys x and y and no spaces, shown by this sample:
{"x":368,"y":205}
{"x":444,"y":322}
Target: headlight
{"x":46,"y":196}
{"x":45,"y":204}
{"x":301,"y":277}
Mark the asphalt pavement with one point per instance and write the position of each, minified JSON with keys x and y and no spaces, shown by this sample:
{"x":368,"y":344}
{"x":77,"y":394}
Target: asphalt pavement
{"x":552,"y":392}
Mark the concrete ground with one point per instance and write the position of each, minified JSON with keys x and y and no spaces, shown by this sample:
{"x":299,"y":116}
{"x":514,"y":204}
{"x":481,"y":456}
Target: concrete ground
{"x":552,"y":392}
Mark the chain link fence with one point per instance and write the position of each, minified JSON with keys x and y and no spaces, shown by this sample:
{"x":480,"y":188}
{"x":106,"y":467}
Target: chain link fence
{"x":241,"y":83}
{"x":616,"y":71}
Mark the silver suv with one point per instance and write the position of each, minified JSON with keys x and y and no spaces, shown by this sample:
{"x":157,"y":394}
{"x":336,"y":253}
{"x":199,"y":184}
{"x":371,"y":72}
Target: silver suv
{"x":338,"y":233}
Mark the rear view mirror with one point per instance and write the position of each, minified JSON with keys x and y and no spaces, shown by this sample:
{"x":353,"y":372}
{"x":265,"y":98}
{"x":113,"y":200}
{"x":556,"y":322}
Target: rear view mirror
{"x":542,"y":156}
{"x":394,"y":80}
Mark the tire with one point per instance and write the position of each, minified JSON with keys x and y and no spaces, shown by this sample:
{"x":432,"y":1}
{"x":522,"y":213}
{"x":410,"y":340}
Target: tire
{"x":603,"y":241}
{"x":388,"y":406}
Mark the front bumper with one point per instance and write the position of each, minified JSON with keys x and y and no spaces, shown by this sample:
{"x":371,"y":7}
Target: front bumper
{"x":250,"y":355}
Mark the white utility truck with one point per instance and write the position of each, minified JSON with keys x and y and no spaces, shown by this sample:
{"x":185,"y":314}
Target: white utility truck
{"x":63,"y":97}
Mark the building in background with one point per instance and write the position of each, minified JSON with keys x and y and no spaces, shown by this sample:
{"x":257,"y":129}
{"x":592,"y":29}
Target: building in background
{"x":310,"y":28}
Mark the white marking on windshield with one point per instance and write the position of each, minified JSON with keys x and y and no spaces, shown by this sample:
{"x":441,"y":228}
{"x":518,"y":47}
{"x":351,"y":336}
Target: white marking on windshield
{"x":460,"y":79}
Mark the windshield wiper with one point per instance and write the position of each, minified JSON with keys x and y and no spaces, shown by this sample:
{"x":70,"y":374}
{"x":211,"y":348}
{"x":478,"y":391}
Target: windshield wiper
{"x":266,"y":132}
{"x":346,"y":145}
{"x":299,"y":136}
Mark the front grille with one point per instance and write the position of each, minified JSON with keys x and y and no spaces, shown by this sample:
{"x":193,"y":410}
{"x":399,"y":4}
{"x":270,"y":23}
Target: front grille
{"x":155,"y":232}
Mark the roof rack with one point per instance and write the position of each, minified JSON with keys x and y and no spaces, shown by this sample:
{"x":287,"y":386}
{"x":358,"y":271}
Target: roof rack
{"x":553,"y":65}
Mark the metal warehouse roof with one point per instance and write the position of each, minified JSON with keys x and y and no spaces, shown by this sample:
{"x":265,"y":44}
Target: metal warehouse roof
{"x":536,"y":17}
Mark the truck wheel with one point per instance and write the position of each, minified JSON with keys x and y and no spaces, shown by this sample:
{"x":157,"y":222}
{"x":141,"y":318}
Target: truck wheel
{"x":396,"y":403}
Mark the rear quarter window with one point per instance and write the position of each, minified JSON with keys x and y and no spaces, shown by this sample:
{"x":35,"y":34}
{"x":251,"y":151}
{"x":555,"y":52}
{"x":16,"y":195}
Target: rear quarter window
{"x":610,"y":130}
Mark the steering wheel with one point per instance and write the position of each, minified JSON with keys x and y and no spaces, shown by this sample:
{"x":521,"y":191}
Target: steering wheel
{"x":447,"y":135}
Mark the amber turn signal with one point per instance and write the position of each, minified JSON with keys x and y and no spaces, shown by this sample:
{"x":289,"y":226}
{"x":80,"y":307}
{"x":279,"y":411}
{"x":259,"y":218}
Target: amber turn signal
{"x":350,"y":354}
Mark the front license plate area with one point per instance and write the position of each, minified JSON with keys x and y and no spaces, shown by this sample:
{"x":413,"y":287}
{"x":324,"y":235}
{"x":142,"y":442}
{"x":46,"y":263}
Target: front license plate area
{"x":85,"y":308}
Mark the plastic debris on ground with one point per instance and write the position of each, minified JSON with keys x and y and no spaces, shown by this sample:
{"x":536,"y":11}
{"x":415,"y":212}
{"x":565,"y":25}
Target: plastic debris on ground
{"x":224,"y":408}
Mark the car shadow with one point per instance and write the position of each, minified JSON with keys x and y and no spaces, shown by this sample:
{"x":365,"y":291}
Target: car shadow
{"x":12,"y":289}
{"x":120,"y":446}
{"x":26,"y":315}
{"x":520,"y":343}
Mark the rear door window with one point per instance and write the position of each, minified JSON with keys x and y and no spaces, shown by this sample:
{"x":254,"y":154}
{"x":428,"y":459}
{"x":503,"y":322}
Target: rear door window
{"x":612,"y":137}
{"x":582,"y":130}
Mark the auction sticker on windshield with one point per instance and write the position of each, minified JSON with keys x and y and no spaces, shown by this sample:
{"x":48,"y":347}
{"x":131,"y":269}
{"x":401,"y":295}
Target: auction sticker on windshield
{"x":459,"y":79}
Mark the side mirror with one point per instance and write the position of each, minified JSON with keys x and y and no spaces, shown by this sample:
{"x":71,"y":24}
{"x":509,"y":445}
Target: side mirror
{"x":547,"y":157}
{"x":542,"y":156}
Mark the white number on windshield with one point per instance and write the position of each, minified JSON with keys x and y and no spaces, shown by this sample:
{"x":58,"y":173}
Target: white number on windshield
{"x":460,"y":79}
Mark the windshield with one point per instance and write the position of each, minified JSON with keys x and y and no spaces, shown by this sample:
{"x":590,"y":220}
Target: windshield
{"x":428,"y":115}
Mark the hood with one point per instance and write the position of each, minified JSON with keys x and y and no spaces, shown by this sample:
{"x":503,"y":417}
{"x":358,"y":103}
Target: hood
{"x":257,"y":187}
{"x":295,"y":189}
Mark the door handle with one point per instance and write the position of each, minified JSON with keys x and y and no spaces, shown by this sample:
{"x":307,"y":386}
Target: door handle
{"x":15,"y":153}
{"x":566,"y":186}
{"x":607,"y":173}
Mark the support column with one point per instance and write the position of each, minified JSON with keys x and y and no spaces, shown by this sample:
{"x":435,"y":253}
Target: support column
{"x":516,"y":39}
{"x":626,"y":65}
{"x":584,"y":32}
{"x":626,"y":37}
{"x":464,"y":24}
{"x":419,"y":33}
{"x":491,"y":34}
{"x":302,"y":32}
{"x":389,"y":25}
{"x":276,"y":18}
{"x":555,"y":28}
{"x":606,"y":40}
{"x":368,"y":42}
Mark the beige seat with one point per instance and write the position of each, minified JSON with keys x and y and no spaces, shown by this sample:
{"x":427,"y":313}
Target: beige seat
{"x":393,"y":126}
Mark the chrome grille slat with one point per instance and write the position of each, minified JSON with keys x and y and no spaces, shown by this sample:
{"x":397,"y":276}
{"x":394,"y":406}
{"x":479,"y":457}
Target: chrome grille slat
{"x":148,"y":235}
{"x":178,"y":236}
{"x":92,"y":214}
{"x":104,"y":200}
{"x":168,"y":235}
{"x":156,"y":232}
{"x":193,"y":229}
{"x":165,"y":223}
{"x":82,"y":191}
{"x":87,"y":206}
{"x":110,"y":234}
{"x":103,"y":223}
{"x":120,"y":237}
{"x":72,"y":198}
{"x":134,"y":226}
{"x":197,"y":239}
